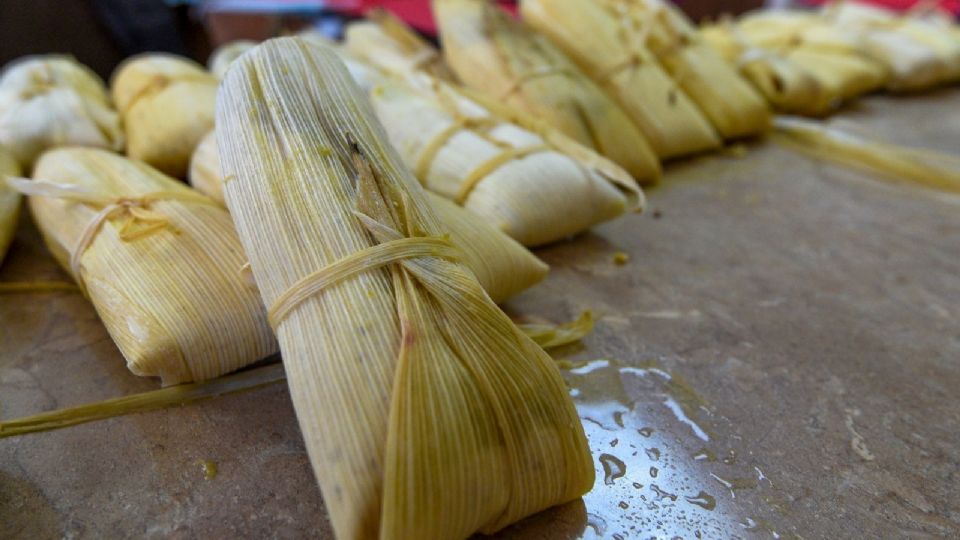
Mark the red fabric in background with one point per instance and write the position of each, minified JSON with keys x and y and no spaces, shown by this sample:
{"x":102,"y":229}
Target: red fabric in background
{"x":416,"y":12}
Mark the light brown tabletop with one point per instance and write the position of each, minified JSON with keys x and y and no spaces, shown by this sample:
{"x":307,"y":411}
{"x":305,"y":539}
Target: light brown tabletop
{"x":780,"y":357}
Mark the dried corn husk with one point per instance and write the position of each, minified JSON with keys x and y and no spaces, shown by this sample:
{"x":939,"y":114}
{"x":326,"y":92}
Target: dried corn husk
{"x":384,"y":41}
{"x":924,"y":167}
{"x":9,"y":201}
{"x":426,"y":412}
{"x":503,"y":267}
{"x":221,"y":58}
{"x":499,"y":56}
{"x":600,"y":42}
{"x":510,"y":176}
{"x":787,"y":86}
{"x":733,"y":107}
{"x":163,"y":271}
{"x":167,"y":105}
{"x":53,"y":100}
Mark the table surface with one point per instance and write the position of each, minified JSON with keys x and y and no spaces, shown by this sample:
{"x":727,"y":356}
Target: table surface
{"x":779,"y":358}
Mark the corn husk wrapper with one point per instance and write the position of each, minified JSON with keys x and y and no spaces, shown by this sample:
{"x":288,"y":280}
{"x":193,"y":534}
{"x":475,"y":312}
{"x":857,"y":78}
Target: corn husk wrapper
{"x":616,"y":58}
{"x":503,"y":267}
{"x":49,"y":101}
{"x":788,"y":86}
{"x":224,"y":55}
{"x":204,"y":173}
{"x":426,"y":412}
{"x":167,"y":104}
{"x":501,"y":57}
{"x":9,"y":201}
{"x":508,"y":175}
{"x":730,"y":103}
{"x":821,"y":141}
{"x":164,"y":277}
{"x":385,"y":41}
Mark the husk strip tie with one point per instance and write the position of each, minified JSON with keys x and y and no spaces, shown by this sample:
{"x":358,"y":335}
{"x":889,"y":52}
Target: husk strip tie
{"x":134,"y":209}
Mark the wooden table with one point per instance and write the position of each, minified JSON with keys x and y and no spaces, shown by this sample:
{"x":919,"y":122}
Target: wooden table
{"x":781,"y":356}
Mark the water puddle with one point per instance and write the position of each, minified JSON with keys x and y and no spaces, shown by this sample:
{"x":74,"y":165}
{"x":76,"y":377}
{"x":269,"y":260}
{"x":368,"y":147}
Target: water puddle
{"x":659,"y":469}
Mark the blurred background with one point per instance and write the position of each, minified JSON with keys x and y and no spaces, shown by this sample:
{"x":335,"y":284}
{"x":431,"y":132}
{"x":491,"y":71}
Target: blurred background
{"x":100,"y":33}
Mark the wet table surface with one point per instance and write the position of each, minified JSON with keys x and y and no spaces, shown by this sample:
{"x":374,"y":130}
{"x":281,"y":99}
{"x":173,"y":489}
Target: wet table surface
{"x":779,"y":358}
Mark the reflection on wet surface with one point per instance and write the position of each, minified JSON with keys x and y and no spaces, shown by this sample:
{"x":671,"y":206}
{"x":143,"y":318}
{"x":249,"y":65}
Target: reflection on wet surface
{"x":658,"y":471}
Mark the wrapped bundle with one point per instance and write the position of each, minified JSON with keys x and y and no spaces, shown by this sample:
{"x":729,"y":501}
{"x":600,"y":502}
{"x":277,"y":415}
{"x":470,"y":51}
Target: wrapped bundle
{"x":510,"y":176}
{"x":786,"y":85}
{"x":603,"y":44}
{"x":836,"y":59}
{"x":385,"y":41}
{"x":503,"y":267}
{"x":160,"y":262}
{"x":426,"y":413}
{"x":167,"y":105}
{"x":49,"y":101}
{"x":733,"y":107}
{"x":221,"y":58}
{"x":9,"y":201}
{"x":917,"y":54}
{"x":497,"y":55}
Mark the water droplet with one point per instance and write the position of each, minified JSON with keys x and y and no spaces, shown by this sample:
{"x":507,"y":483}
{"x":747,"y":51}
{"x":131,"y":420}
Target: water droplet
{"x":731,"y":458}
{"x":614,"y":442}
{"x":661,"y":494}
{"x":613,"y":468}
{"x":590,"y":367}
{"x":597,"y":523}
{"x":624,"y":505}
{"x":703,"y":500}
{"x":618,"y":418}
{"x":653,"y":453}
{"x":654,"y":472}
{"x":638,"y":485}
{"x":645,"y":431}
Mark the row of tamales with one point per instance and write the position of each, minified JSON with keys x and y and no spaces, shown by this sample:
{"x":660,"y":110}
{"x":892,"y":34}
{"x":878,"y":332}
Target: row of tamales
{"x":495,"y":54}
{"x":503,"y":267}
{"x":522,"y":176}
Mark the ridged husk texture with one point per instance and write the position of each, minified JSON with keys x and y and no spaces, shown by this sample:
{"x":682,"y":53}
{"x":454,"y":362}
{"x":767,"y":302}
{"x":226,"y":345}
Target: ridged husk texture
{"x":49,"y":101}
{"x":510,"y":176}
{"x":164,"y":276}
{"x":503,"y":267}
{"x":167,"y":104}
{"x":426,"y":412}
{"x":9,"y":201}
{"x":604,"y":45}
{"x":497,"y":55}
{"x":733,"y":107}
{"x":384,"y":41}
